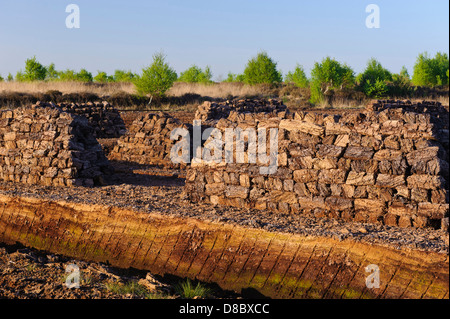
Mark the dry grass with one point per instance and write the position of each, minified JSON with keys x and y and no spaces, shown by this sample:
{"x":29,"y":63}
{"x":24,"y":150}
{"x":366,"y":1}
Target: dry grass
{"x":215,"y":90}
{"x":343,"y":103}
{"x":444,"y":100}
{"x":67,"y":87}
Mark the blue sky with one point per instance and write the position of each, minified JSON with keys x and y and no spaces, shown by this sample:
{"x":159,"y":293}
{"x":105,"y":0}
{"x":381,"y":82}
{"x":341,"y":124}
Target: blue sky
{"x":222,"y":34}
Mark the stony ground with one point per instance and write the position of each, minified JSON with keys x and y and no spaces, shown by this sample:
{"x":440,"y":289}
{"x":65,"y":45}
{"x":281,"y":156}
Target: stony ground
{"x":30,"y":274}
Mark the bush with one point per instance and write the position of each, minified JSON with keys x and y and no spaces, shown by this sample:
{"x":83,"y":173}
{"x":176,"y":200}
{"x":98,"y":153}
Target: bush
{"x":123,"y":76}
{"x":327,"y":76}
{"x":67,"y":75}
{"x":1,"y":79}
{"x":70,"y":75}
{"x":377,"y":89}
{"x":52,"y":74}
{"x":102,"y":77}
{"x":233,"y":78}
{"x":261,"y":69}
{"x":19,"y":76}
{"x":34,"y":71}
{"x":196,"y":75}
{"x":298,"y":77}
{"x":373,"y":81}
{"x":84,"y":76}
{"x":155,"y":79}
{"x":400,"y":84}
{"x":431,"y":71}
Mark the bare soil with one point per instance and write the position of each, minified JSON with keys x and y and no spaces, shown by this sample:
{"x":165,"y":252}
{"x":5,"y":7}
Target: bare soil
{"x":27,"y":273}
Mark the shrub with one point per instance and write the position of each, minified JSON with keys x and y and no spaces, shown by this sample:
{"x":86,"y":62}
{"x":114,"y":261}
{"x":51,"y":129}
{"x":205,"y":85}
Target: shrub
{"x":261,"y":69}
{"x":327,"y":76}
{"x":404,"y":74}
{"x":196,"y":75}
{"x":19,"y":76}
{"x":373,"y":81}
{"x":431,"y":71}
{"x":84,"y":76}
{"x":377,"y":89}
{"x":67,"y":75}
{"x":400,"y":84}
{"x":155,"y":79}
{"x":34,"y":71}
{"x":1,"y":79}
{"x":232,"y":78}
{"x":298,"y":77}
{"x":102,"y":77}
{"x":123,"y":76}
{"x":52,"y":74}
{"x":70,"y":75}
{"x":10,"y":77}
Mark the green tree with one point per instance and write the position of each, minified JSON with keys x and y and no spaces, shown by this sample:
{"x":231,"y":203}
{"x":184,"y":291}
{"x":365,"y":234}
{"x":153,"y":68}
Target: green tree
{"x":404,"y":73}
{"x":298,"y":77}
{"x":231,"y":77}
{"x":67,"y":75}
{"x":123,"y":76}
{"x":401,"y":83}
{"x":52,"y":74}
{"x":10,"y":77}
{"x":373,"y":81}
{"x":1,"y":79}
{"x":262,"y":69}
{"x":20,"y":76}
{"x":84,"y":76}
{"x":34,"y":71}
{"x":73,"y":76}
{"x":102,"y":77}
{"x":440,"y":67}
{"x":196,"y":75}
{"x":329,"y":75}
{"x":156,"y":79}
{"x":401,"y":79}
{"x":431,"y":71}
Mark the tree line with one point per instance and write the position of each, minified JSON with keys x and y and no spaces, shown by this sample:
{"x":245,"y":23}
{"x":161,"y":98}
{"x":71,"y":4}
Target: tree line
{"x":326,"y":76}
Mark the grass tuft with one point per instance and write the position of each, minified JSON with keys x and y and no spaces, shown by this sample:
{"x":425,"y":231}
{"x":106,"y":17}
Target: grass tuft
{"x":187,"y":290}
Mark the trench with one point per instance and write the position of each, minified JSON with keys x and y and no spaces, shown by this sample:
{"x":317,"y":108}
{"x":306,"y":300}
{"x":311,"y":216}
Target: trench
{"x":236,"y":258}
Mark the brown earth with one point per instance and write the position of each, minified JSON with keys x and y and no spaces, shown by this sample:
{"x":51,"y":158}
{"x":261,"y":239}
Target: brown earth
{"x":27,"y":273}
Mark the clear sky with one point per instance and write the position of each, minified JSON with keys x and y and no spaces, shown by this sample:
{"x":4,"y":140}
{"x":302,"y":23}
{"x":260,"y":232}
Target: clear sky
{"x":222,"y":34}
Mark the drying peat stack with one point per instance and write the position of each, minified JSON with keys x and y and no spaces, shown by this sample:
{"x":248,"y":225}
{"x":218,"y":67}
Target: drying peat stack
{"x":103,"y":117}
{"x":387,"y":164}
{"x":211,"y":112}
{"x":148,"y":141}
{"x":43,"y":145}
